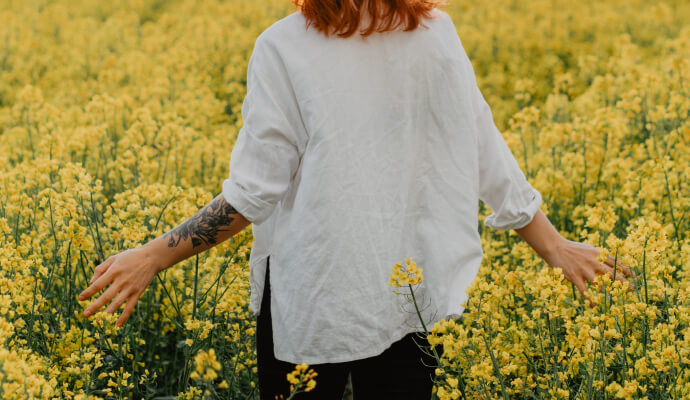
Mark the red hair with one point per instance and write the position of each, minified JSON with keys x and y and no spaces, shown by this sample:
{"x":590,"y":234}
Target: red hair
{"x":343,"y":16}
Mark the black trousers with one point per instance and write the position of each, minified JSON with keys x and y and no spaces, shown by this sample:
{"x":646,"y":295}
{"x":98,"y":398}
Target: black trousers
{"x":401,"y":372}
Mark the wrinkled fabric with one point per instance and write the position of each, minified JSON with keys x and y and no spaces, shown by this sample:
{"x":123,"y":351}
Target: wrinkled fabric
{"x":356,"y":153}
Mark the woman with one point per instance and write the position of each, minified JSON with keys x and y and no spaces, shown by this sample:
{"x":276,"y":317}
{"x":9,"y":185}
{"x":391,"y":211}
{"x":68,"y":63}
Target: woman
{"x":360,"y":147}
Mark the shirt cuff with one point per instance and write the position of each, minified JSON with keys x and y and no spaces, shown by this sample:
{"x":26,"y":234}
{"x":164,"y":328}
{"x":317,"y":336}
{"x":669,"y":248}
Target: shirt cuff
{"x":517,"y":213}
{"x":252,"y":208}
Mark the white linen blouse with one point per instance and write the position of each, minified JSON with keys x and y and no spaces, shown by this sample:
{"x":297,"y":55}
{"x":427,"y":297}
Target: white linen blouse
{"x":356,"y":153}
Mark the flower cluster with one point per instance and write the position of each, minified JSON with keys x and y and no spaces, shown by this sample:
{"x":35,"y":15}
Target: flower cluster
{"x":206,"y":366}
{"x":409,"y":274}
{"x":301,"y":379}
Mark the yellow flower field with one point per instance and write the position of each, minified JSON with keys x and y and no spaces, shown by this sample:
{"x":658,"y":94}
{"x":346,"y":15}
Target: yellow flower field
{"x":117,"y":120}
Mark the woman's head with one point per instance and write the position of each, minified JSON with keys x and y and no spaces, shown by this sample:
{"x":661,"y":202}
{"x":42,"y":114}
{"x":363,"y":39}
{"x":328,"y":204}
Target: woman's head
{"x":343,"y":17}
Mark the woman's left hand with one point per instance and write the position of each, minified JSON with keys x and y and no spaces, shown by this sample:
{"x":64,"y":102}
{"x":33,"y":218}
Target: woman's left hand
{"x":580,"y":263}
{"x":128,"y":274}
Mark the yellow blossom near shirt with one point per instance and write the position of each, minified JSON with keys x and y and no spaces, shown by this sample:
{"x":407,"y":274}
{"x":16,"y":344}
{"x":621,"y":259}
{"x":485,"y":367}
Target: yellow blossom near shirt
{"x":410,"y":274}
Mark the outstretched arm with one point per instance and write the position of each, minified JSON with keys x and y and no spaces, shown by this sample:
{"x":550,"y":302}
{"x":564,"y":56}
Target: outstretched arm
{"x":578,"y":260}
{"x":129,"y":273}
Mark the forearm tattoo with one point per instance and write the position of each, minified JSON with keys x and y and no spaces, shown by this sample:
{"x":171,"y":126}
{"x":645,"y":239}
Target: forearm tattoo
{"x":204,"y":226}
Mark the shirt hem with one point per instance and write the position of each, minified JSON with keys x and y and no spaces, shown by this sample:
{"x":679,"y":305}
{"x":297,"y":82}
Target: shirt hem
{"x":257,"y":282}
{"x":351,"y":357}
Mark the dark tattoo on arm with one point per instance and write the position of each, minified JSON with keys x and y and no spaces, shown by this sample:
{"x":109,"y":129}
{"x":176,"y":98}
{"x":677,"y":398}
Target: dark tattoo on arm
{"x":204,"y":226}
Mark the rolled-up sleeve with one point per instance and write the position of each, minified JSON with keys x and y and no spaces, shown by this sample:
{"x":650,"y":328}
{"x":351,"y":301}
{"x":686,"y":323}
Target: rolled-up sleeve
{"x":502,"y":184}
{"x":271,"y":141}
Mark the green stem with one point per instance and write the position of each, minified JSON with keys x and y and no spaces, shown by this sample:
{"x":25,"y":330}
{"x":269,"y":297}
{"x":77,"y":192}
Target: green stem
{"x":196,"y":286}
{"x":426,"y":331}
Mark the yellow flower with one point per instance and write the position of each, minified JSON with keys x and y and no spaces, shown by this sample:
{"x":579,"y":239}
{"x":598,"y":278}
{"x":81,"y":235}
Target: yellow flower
{"x":408,"y":275}
{"x":301,"y":379}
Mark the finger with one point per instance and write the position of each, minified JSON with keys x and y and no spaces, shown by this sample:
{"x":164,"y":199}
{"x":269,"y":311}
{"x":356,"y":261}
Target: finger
{"x":582,"y":287}
{"x":115,"y":304}
{"x":588,"y":300}
{"x":95,"y":287}
{"x":620,"y":278}
{"x":102,"y":268}
{"x":592,"y":273}
{"x":101,"y":301}
{"x":611,"y":261}
{"x":129,"y":307}
{"x":584,"y":295}
{"x":600,"y":269}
